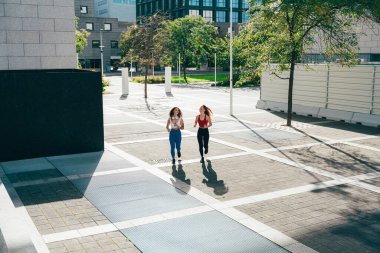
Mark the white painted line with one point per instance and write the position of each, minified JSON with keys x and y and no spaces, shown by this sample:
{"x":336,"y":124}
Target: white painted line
{"x":62,"y":236}
{"x":308,"y":145}
{"x":39,"y":181}
{"x":74,"y":177}
{"x":219,"y":102}
{"x":197,"y":160}
{"x":185,"y":136}
{"x":366,"y":186}
{"x":249,"y":113}
{"x":17,"y":228}
{"x":125,"y":123}
{"x":300,"y":189}
{"x":361,"y":146}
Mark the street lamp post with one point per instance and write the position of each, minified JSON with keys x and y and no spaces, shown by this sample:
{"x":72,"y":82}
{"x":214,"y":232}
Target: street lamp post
{"x":131,"y":70}
{"x":101,"y":51}
{"x":215,"y":69}
{"x":231,"y":72}
{"x":179,"y":68}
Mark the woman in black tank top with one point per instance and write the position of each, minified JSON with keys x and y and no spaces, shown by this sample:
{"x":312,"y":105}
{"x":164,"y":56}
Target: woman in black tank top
{"x":204,"y":121}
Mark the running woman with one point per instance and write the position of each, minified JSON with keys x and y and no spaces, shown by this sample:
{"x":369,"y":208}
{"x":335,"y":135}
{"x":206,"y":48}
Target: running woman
{"x":204,"y":122}
{"x":175,"y":122}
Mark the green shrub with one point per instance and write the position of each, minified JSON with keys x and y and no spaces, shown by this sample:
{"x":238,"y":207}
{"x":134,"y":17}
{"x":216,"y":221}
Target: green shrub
{"x":105,"y":84}
{"x":241,"y":81}
{"x":151,"y":79}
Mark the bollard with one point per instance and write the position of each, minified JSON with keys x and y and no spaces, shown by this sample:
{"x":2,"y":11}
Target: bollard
{"x":168,"y":79}
{"x":125,"y":81}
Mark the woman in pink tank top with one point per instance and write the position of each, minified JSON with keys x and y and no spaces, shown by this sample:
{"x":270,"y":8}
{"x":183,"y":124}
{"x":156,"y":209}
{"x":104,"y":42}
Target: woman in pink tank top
{"x":204,"y":121}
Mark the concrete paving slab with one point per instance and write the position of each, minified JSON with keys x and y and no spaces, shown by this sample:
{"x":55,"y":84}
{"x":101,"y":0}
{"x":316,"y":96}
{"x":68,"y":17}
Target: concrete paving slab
{"x":26,"y":165}
{"x":207,"y":232}
{"x":89,"y":163}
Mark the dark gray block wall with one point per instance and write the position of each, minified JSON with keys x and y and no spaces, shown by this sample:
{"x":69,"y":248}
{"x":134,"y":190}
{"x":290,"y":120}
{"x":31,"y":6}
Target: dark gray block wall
{"x":50,"y":112}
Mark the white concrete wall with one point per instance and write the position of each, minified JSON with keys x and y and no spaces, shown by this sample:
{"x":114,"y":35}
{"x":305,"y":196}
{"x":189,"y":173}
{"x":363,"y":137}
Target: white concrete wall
{"x":335,"y":88}
{"x":37,"y":34}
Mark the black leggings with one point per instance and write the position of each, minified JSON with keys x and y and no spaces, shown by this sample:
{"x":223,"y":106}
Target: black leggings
{"x":203,"y":137}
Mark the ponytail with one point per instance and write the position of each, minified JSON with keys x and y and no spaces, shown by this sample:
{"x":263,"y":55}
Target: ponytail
{"x":208,"y":111}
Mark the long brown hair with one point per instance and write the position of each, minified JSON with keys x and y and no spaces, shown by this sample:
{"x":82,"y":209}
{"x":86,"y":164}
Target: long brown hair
{"x":208,"y":111}
{"x":171,"y":113}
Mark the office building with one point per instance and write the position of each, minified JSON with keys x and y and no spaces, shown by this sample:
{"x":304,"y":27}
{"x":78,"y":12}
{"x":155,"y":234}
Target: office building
{"x":123,"y":10}
{"x":111,"y":31}
{"x":217,"y":11}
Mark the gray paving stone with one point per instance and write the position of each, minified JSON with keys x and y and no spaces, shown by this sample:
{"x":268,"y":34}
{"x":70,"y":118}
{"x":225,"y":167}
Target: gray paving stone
{"x":100,"y":243}
{"x":340,"y":159}
{"x":324,"y":227}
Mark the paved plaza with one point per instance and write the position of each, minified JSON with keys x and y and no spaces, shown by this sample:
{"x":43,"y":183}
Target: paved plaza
{"x":265,"y":187}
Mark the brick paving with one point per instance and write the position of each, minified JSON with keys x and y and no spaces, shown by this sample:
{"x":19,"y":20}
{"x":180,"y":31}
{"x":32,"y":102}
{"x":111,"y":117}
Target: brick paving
{"x":337,"y":158}
{"x":244,"y":176}
{"x":337,"y":219}
{"x":58,"y":207}
{"x":113,"y":242}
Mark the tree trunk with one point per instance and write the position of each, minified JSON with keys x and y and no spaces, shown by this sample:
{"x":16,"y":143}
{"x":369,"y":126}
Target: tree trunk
{"x":146,"y":81}
{"x":290,"y":92}
{"x":184,"y":72}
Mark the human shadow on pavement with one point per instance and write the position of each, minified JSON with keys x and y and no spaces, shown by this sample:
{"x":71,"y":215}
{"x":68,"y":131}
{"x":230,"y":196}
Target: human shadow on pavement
{"x":179,"y":181}
{"x":211,"y":180}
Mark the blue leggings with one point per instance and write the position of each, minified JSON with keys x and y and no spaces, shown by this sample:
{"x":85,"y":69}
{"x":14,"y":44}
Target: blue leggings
{"x":175,"y":138}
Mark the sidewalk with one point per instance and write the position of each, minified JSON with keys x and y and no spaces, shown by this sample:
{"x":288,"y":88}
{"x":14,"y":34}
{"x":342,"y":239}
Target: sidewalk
{"x":264,"y":188}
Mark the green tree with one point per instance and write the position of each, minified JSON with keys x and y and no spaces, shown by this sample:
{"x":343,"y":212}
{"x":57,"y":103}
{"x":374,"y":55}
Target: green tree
{"x":141,"y":43}
{"x":191,"y":37}
{"x":80,"y":37}
{"x":281,"y":31}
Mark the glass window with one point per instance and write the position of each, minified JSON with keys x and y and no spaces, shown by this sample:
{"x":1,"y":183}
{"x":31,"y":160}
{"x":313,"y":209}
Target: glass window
{"x":96,"y":44}
{"x":194,"y":12}
{"x":114,"y":44}
{"x":90,"y":26}
{"x":207,"y":15}
{"x":245,"y":4}
{"x":83,"y":9}
{"x":101,"y":12}
{"x":235,"y":17}
{"x":221,"y":3}
{"x":244,"y":17}
{"x":194,"y":2}
{"x":107,"y":27}
{"x":235,"y":3}
{"x":220,"y":16}
{"x":207,"y":3}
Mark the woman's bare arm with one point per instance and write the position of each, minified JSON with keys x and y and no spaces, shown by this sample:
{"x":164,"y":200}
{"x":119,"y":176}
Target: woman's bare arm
{"x":196,"y":121}
{"x":167,"y":125}
{"x":209,"y":121}
{"x":182,"y":124}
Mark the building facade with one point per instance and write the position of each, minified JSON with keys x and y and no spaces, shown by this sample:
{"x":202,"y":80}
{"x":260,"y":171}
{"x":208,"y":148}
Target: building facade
{"x":123,"y":10}
{"x":217,"y":11}
{"x":37,"y":35}
{"x":109,"y":28}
